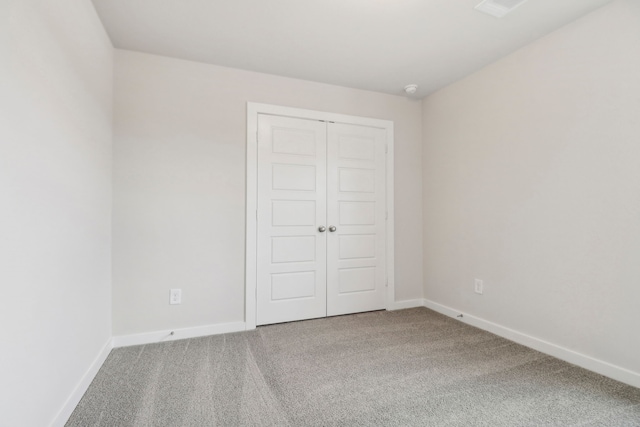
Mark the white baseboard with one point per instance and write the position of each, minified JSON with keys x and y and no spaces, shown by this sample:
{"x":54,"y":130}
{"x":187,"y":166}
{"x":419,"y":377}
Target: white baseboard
{"x":77,"y":393}
{"x":178,"y":334}
{"x":601,"y":367}
{"x":409,"y":303}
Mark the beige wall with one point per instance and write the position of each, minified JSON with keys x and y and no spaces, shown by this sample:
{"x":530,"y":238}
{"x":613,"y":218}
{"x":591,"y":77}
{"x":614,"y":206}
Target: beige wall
{"x":55,"y":203}
{"x":532,"y":183}
{"x":179,"y":185}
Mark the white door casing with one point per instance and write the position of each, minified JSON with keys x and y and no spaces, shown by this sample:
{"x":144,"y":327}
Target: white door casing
{"x":356,"y":176}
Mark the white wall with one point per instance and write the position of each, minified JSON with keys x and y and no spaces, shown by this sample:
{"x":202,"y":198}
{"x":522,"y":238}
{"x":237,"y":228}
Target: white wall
{"x":532,"y":183}
{"x":55,"y":203}
{"x":179,"y":185}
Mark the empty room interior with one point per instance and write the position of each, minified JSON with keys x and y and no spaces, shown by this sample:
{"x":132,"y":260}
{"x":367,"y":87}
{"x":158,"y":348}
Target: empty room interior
{"x":320,"y":213}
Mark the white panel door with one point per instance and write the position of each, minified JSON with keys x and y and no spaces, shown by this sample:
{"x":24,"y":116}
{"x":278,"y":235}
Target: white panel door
{"x":291,"y":251}
{"x":356,"y":217}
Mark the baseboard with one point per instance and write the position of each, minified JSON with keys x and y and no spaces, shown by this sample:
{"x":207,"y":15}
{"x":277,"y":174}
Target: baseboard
{"x":601,"y":367}
{"x":409,"y":303}
{"x":77,"y":393}
{"x":178,"y":334}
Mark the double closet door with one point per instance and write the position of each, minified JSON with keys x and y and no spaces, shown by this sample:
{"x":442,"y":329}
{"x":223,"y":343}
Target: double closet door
{"x":321,"y":219}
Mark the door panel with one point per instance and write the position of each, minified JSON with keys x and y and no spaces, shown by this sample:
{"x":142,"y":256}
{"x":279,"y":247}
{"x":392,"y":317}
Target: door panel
{"x":288,"y":249}
{"x":358,"y":279}
{"x":356,"y":276}
{"x":294,"y":177}
{"x":356,"y":246}
{"x":301,"y":284}
{"x":291,"y":258}
{"x":288,"y":213}
{"x":356,"y":213}
{"x":352,"y":180}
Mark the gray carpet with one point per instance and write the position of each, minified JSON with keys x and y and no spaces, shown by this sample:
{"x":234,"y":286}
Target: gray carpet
{"x":404,"y":368}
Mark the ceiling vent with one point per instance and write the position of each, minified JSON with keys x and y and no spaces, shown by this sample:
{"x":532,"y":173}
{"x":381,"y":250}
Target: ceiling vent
{"x":498,"y":8}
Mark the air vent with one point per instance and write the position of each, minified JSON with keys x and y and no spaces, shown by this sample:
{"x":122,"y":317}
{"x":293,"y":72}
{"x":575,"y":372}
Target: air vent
{"x":498,"y":8}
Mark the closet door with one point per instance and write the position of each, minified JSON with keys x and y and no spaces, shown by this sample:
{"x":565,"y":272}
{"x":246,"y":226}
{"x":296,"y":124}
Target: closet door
{"x":291,"y":245}
{"x":356,"y":221}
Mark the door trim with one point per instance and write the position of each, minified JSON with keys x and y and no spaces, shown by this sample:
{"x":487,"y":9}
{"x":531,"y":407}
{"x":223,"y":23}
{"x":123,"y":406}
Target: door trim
{"x":251,"y":213}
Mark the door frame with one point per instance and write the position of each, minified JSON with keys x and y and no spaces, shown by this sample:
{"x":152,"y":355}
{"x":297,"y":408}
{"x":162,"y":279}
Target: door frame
{"x":251,"y":212}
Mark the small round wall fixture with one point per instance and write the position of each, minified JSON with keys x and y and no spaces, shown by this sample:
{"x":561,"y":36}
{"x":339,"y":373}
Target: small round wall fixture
{"x":411,"y":89}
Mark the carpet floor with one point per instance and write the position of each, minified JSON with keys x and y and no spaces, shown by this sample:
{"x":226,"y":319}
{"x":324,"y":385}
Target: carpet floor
{"x":411,"y":367}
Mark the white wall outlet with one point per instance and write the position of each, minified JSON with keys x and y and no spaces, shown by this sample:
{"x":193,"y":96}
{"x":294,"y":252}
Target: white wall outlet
{"x":176,"y":296}
{"x":478,"y":286}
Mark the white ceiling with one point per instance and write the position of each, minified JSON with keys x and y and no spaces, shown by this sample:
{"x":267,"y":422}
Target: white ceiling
{"x":379,"y":45}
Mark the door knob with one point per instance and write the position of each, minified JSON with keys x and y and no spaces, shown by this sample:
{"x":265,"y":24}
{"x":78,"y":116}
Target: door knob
{"x":332,"y":228}
{"x":322,"y":229}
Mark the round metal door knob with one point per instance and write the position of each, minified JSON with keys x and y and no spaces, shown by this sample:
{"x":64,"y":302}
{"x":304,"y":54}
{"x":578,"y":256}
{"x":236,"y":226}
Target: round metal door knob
{"x":322,"y":229}
{"x":332,"y":228}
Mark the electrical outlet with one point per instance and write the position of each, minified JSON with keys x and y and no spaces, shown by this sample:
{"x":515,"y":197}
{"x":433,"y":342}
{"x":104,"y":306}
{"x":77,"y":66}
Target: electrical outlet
{"x":176,"y":296}
{"x":478,"y":286}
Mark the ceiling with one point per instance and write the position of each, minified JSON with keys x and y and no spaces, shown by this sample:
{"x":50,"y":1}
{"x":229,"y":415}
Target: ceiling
{"x":378,"y":45}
